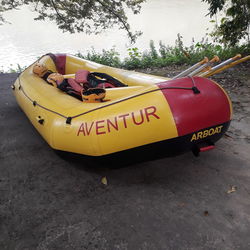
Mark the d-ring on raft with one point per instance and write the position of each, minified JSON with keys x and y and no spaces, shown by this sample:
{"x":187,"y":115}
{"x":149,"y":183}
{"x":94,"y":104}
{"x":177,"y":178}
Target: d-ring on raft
{"x":188,"y":113}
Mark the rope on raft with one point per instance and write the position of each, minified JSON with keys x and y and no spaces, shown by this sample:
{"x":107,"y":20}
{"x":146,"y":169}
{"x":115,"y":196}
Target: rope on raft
{"x":69,"y":119}
{"x":227,"y":64}
{"x":35,"y":103}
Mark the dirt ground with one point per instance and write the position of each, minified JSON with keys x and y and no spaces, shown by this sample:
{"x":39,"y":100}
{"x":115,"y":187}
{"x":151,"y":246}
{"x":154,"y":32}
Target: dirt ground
{"x":185,"y":202}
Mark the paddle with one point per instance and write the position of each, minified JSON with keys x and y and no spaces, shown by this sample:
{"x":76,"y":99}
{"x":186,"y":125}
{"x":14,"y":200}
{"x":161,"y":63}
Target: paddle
{"x":227,"y":64}
{"x":187,"y":71}
{"x":205,"y":65}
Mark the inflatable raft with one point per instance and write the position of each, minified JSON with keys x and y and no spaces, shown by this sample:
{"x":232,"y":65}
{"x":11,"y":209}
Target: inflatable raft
{"x":189,"y":113}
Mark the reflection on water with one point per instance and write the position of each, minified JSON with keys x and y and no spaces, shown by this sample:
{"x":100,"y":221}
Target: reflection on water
{"x":25,"y":40}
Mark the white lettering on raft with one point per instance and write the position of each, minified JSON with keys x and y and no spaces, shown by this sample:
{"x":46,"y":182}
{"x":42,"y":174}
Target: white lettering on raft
{"x":205,"y":133}
{"x":101,"y":127}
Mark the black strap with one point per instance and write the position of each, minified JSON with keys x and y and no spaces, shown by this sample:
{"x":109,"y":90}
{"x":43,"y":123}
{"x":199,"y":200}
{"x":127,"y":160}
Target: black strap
{"x":65,"y":87}
{"x":95,"y":78}
{"x":75,"y":94}
{"x":45,"y":76}
{"x":93,"y":91}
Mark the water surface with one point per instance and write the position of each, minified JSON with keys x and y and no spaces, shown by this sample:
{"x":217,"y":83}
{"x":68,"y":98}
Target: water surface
{"x":25,"y":39}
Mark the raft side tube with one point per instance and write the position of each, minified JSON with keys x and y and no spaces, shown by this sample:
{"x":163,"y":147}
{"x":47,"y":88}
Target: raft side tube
{"x":167,"y":148}
{"x":118,"y":127}
{"x":127,"y":77}
{"x":169,"y":113}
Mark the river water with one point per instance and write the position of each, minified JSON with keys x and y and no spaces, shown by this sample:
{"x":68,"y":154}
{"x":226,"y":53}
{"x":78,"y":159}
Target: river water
{"x":23,"y":41}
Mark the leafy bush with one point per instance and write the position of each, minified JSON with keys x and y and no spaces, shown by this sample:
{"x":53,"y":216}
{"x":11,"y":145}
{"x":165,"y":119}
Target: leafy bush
{"x":107,"y":57}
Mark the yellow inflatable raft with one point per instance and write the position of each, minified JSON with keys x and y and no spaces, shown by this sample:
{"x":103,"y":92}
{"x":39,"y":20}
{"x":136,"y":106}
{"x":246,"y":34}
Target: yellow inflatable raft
{"x":152,"y":112}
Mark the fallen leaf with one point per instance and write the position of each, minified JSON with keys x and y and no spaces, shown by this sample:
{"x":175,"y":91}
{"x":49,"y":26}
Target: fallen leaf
{"x":206,"y":213}
{"x":182,"y":204}
{"x":233,"y":189}
{"x":104,"y":181}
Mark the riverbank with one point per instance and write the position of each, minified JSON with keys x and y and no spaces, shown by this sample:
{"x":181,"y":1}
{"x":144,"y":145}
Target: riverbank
{"x":160,"y":56}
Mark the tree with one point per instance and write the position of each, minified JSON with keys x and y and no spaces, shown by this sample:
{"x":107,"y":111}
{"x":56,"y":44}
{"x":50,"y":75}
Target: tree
{"x":89,"y":16}
{"x":236,"y":23}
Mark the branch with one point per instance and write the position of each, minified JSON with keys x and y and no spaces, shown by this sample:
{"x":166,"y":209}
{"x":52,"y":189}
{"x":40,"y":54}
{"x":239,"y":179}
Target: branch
{"x":58,"y":14}
{"x":125,"y":25}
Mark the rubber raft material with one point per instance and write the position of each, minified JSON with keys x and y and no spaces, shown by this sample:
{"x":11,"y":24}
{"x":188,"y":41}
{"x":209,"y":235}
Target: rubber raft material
{"x":178,"y":115}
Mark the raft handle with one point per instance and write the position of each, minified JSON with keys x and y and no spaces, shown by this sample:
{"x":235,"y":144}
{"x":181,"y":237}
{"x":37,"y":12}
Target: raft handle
{"x":40,"y":120}
{"x":195,"y":90}
{"x":68,"y":120}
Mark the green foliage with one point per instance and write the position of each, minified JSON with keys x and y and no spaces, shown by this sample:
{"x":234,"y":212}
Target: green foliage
{"x":134,"y":58}
{"x":166,"y":55}
{"x":236,"y":23}
{"x":153,"y":51}
{"x":107,"y":57}
{"x":82,"y":15}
